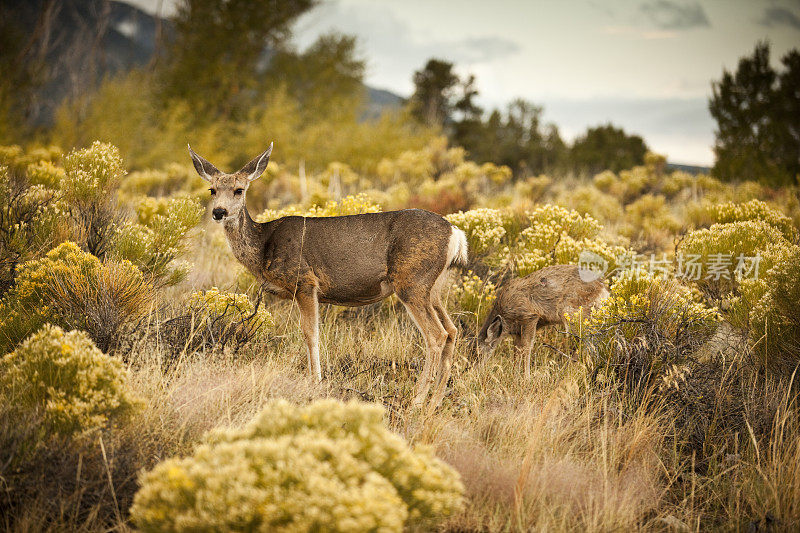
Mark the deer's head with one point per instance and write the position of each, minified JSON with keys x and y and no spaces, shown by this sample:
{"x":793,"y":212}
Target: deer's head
{"x":228,"y":190}
{"x":494,"y":330}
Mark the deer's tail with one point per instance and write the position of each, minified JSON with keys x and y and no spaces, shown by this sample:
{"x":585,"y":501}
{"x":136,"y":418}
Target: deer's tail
{"x":457,"y":248}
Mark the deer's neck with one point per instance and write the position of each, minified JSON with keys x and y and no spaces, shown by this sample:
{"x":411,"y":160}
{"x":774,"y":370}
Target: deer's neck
{"x":244,"y":237}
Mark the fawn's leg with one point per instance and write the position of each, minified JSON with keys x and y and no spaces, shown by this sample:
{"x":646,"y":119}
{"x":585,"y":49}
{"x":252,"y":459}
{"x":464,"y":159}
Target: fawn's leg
{"x":524,"y":344}
{"x":308,"y":304}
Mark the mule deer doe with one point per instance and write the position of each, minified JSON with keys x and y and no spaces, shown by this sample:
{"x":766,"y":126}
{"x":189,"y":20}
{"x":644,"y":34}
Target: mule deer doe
{"x":539,"y":299}
{"x":350,"y":260}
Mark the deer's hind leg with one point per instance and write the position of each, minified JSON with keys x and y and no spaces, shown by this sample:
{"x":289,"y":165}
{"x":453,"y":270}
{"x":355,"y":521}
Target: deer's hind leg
{"x":446,"y":363}
{"x":419,"y":306}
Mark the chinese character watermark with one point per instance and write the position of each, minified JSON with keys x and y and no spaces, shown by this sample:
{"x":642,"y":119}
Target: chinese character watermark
{"x":690,"y":267}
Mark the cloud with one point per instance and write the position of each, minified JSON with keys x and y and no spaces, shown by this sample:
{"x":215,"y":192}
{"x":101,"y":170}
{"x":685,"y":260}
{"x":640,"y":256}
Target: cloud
{"x":479,"y":49}
{"x":381,"y":29}
{"x":639,"y":33}
{"x":395,"y":49}
{"x":675,"y":15}
{"x":780,"y":16}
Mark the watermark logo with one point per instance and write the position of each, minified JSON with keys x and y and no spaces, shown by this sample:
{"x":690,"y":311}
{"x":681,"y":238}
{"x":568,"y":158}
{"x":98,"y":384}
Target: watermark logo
{"x":691,"y":267}
{"x":591,"y":266}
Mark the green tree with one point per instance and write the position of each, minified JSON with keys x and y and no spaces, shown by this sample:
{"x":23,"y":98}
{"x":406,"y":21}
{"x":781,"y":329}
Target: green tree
{"x":214,"y":58}
{"x":606,"y":148}
{"x":322,"y":77}
{"x":758,"y":119}
{"x":435,"y":93}
{"x":516,"y":138}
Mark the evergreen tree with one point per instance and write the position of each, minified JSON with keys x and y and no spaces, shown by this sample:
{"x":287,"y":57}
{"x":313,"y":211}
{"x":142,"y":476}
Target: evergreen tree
{"x":218,"y":46}
{"x":435,"y":90}
{"x":324,"y":77}
{"x":758,"y":119}
{"x":606,"y":148}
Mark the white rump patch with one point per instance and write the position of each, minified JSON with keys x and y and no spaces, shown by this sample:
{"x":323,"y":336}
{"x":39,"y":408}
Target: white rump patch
{"x":457,"y":248}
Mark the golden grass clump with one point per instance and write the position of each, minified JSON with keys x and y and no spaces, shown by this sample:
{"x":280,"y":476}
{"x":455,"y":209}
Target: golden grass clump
{"x":328,"y":465}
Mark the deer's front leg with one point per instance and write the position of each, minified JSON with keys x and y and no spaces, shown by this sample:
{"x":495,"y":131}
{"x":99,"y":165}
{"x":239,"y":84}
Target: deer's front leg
{"x":524,"y":344}
{"x":308,"y":304}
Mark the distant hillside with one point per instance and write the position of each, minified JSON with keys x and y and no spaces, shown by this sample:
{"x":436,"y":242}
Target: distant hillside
{"x":94,"y":38}
{"x":691,"y":169}
{"x":381,"y":99}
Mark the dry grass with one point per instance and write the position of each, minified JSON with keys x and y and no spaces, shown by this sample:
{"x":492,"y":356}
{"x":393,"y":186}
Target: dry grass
{"x":550,"y":453}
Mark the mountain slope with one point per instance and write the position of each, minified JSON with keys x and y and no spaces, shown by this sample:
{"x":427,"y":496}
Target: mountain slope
{"x":87,"y":40}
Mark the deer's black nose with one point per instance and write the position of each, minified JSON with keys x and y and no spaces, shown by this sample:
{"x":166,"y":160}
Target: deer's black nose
{"x":218,"y":213}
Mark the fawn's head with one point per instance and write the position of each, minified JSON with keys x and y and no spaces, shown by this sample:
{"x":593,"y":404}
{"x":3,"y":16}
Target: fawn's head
{"x":494,"y":329}
{"x":228,"y":190}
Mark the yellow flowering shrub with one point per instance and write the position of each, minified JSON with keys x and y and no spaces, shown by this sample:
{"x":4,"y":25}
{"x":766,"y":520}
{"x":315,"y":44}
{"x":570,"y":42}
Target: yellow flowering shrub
{"x":771,"y":306}
{"x":647,"y":322}
{"x":226,"y":310}
{"x":173,"y":179}
{"x":92,"y":173}
{"x":649,"y":219}
{"x":731,"y":251}
{"x":655,"y":163}
{"x":558,"y":236}
{"x":474,"y":295}
{"x":328,"y":465}
{"x":341,"y":173}
{"x":749,"y":190}
{"x":155,"y":242}
{"x":18,"y":160}
{"x":606,"y":181}
{"x":89,"y":193}
{"x":533,"y":188}
{"x":484,"y":228}
{"x":349,"y":205}
{"x":590,"y":201}
{"x":64,"y":379}
{"x":29,"y":224}
{"x":46,"y":174}
{"x":677,"y":182}
{"x":73,"y":289}
{"x":416,"y":166}
{"x":564,"y":221}
{"x":634,"y":182}
{"x":707,"y":213}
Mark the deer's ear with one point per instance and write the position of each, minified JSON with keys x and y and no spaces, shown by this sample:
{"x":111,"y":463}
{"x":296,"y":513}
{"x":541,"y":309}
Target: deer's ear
{"x":257,"y":166}
{"x":495,"y":328}
{"x":203,"y":167}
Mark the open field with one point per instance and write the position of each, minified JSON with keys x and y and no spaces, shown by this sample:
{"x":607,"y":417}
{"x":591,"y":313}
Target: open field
{"x":672,"y":408}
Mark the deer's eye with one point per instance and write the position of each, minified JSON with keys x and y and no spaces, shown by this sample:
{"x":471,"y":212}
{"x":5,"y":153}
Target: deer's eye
{"x":213,"y":191}
{"x":237,"y":192}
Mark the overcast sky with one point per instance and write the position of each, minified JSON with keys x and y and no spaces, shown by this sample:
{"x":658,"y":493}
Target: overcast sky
{"x":646,"y":65}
